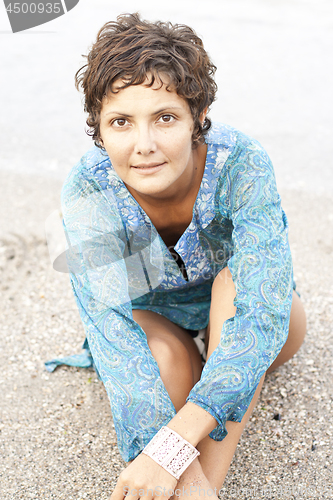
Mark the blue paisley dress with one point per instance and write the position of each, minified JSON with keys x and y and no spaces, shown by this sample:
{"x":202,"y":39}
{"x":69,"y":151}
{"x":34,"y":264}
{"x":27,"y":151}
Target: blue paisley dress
{"x":118,"y":262}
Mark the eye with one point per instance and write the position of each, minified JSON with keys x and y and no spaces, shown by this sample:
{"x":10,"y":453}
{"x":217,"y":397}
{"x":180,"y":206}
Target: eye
{"x":166,"y":118}
{"x":119,"y":122}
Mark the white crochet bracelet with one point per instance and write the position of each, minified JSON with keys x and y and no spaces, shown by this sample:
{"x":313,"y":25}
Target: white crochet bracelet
{"x":171,"y":451}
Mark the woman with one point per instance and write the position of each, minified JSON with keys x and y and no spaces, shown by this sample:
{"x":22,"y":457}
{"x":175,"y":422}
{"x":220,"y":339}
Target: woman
{"x":175,"y":227}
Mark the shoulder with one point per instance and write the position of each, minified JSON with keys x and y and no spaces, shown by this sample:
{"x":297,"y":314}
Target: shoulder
{"x":236,"y":142}
{"x":244,"y":167}
{"x":240,"y":154}
{"x":92,"y":162}
{"x":223,"y":135}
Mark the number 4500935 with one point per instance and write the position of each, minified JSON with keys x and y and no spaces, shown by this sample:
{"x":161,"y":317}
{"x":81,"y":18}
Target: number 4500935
{"x":34,"y":8}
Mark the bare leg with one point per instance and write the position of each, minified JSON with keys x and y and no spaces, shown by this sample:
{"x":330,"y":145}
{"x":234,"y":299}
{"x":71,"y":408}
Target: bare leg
{"x":176,"y":354}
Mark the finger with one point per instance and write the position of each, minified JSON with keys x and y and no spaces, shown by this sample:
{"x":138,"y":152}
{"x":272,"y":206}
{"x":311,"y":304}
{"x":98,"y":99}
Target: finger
{"x":134,"y":493}
{"x":119,"y":492}
{"x":162,"y":493}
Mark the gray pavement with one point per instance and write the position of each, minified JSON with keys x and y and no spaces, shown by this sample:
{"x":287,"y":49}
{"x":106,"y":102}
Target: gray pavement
{"x":275,"y":78}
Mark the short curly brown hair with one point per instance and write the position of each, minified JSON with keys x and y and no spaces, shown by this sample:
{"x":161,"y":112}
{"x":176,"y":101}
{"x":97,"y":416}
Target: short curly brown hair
{"x":130,"y":49}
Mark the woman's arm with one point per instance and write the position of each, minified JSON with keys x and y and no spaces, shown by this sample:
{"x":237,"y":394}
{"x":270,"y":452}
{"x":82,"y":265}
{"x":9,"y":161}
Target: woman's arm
{"x":193,"y":423}
{"x":261,"y":269}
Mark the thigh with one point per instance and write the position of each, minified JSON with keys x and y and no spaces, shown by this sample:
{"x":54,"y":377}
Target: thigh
{"x":162,"y":334}
{"x":297,"y":331}
{"x":222,"y":308}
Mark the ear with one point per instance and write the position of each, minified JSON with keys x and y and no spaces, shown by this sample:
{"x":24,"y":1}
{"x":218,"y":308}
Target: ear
{"x":203,"y":115}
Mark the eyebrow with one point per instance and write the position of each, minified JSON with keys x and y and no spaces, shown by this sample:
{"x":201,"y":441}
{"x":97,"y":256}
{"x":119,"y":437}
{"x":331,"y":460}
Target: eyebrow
{"x":118,"y":113}
{"x":167,"y":108}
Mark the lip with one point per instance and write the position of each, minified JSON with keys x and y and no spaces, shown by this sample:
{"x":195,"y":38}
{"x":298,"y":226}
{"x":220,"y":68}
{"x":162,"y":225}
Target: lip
{"x":148,"y":168}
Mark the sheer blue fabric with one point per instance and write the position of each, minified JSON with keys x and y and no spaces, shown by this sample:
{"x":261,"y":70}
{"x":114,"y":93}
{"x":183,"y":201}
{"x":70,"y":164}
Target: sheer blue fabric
{"x":118,"y":262}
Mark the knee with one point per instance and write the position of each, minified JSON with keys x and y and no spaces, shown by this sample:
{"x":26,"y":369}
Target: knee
{"x":175,"y":368}
{"x":297,"y":324}
{"x":170,"y":354}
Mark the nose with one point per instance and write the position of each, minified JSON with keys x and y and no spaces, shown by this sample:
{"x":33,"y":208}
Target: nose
{"x":145,"y":140}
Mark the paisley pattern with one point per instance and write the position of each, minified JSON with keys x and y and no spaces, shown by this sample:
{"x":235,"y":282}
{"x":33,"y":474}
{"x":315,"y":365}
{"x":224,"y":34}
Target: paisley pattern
{"x":119,"y":262}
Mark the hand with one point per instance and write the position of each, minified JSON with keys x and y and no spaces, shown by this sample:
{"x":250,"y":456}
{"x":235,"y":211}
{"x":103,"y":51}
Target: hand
{"x":145,"y":479}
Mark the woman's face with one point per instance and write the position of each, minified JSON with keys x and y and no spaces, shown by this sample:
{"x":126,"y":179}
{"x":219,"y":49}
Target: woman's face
{"x":147,"y":133}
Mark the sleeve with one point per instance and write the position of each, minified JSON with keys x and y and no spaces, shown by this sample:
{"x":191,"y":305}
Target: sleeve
{"x":261,"y":268}
{"x":97,"y":242}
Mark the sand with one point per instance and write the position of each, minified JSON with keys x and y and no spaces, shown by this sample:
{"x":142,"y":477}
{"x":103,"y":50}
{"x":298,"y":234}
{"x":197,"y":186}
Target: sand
{"x":57,"y":439}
